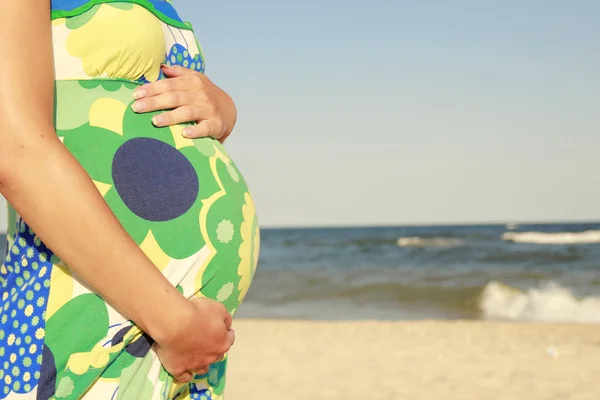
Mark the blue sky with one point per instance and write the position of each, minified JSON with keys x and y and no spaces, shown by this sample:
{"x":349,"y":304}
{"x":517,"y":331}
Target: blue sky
{"x":397,"y":112}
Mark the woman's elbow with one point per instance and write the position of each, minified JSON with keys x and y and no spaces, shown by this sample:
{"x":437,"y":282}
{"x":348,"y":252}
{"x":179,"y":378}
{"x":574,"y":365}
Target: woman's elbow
{"x":20,"y":145}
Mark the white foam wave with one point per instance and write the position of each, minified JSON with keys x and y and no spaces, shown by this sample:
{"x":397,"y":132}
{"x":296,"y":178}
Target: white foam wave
{"x":592,"y":236}
{"x":549,"y":303}
{"x":429,"y":242}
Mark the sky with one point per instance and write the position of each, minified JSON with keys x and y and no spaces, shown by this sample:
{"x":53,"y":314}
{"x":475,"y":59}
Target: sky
{"x":421,"y":112}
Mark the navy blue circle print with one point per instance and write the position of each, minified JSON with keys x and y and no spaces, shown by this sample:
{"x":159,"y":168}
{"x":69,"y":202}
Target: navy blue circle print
{"x":154,"y":179}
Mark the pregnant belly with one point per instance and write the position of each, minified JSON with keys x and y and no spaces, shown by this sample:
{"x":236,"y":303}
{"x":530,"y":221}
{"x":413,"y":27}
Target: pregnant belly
{"x":183,"y":201}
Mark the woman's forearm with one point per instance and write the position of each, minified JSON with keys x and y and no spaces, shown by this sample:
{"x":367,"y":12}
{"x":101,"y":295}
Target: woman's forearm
{"x":55,"y":196}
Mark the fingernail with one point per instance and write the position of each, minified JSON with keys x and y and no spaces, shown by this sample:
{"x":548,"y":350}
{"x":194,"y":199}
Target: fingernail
{"x":158,"y":119}
{"x":138,"y":94}
{"x":138,"y":106}
{"x":185,"y":133}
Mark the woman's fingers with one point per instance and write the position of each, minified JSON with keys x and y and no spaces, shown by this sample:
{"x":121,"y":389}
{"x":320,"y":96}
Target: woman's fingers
{"x":185,"y":107}
{"x":164,"y":101}
{"x":183,"y":82}
{"x":201,"y":371}
{"x":179,"y":115}
{"x":190,"y":97}
{"x":186,"y":377}
{"x":208,"y":125}
{"x":231,"y":334}
{"x":228,"y":320}
{"x":204,"y":128}
{"x":186,"y":353}
{"x":185,"y":373}
{"x":172,"y":71}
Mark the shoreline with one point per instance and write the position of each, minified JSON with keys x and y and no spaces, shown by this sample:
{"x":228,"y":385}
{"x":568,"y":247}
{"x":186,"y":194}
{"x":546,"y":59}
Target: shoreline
{"x":429,"y":359}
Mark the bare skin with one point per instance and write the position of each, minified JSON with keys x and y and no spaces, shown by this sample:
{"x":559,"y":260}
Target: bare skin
{"x":56,"y":197}
{"x":191,"y":97}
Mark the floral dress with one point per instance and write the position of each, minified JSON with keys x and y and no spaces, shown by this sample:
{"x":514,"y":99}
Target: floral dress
{"x":183,"y":201}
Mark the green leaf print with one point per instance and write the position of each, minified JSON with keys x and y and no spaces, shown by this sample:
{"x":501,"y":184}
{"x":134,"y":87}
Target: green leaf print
{"x":223,"y":223}
{"x":115,"y":368}
{"x":80,"y":20}
{"x":216,"y":377}
{"x":65,"y":388}
{"x":134,"y":383}
{"x":93,"y":157}
{"x":76,"y":327}
{"x":75,"y":98}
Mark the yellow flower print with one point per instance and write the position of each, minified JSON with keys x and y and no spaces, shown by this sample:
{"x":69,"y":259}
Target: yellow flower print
{"x":79,"y":363}
{"x":249,"y":248}
{"x":98,"y":357}
{"x":39,"y":333}
{"x":28,"y":310}
{"x":117,"y":42}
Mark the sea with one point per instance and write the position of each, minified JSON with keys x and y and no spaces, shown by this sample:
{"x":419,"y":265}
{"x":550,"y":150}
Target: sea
{"x":520,"y":272}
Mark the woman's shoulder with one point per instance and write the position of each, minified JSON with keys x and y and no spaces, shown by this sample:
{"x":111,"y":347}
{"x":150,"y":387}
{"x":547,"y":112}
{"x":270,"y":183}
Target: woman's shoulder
{"x":163,"y":9}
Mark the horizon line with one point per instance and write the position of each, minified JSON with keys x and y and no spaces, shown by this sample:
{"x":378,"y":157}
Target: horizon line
{"x":426,"y":224}
{"x":430,"y":224}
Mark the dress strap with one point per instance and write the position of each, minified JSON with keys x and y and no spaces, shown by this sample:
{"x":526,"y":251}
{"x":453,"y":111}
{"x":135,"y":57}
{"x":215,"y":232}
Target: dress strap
{"x":161,"y":8}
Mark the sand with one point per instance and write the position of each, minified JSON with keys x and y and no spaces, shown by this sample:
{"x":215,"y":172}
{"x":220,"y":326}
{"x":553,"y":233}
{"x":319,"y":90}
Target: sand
{"x":281,"y":360}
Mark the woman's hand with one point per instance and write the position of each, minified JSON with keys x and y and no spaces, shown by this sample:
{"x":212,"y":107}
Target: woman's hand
{"x":191,"y":97}
{"x":202,"y":338}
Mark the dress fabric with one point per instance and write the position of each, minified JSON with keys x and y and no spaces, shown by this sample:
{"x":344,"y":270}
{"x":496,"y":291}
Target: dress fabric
{"x":183,"y":201}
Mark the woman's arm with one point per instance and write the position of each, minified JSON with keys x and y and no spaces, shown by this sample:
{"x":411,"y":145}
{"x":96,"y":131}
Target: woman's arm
{"x":54,"y":194}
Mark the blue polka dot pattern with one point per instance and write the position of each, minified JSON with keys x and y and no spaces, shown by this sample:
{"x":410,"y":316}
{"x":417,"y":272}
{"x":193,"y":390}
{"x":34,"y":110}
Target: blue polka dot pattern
{"x":24,"y":289}
{"x":199,"y":394}
{"x":180,"y":56}
{"x":161,"y":190}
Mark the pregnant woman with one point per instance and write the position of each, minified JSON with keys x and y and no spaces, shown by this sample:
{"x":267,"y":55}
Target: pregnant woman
{"x":131,"y":239}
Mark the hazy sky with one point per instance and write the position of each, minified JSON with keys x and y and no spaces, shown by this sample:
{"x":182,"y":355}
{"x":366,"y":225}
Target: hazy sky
{"x":397,"y":112}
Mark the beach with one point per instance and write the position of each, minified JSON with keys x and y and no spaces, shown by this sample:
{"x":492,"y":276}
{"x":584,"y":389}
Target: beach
{"x":292,"y":359}
{"x":482,"y":312}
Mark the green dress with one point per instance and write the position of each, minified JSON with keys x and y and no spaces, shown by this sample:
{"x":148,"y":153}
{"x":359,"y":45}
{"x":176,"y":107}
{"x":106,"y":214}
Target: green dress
{"x":183,"y":201}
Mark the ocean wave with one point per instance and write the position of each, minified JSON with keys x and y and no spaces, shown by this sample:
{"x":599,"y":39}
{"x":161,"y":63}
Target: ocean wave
{"x":544,"y":256}
{"x":453,"y":295}
{"x":366,"y":285}
{"x":417,"y":241}
{"x":361,"y":242}
{"x":591,"y":236}
{"x":549,"y":303}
